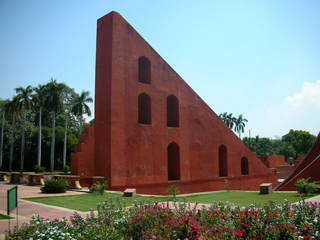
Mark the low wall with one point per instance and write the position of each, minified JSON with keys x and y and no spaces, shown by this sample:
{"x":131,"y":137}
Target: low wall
{"x":249,"y":183}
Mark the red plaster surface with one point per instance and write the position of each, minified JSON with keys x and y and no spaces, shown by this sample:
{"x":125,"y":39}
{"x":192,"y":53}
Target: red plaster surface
{"x":82,"y":161}
{"x":130,"y":154}
{"x":307,"y":168}
{"x":274,"y":161}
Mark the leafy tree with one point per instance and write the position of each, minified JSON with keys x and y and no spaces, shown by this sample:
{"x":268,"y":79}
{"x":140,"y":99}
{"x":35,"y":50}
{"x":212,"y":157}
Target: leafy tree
{"x":24,"y":103}
{"x":291,"y":145}
{"x":260,"y":146}
{"x":301,"y":141}
{"x":289,"y":152}
{"x":37,"y":124}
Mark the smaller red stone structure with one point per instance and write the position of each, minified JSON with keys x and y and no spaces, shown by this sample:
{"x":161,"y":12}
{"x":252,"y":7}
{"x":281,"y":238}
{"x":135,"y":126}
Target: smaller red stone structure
{"x":278,"y":162}
{"x":274,"y":161}
{"x":308,"y":168}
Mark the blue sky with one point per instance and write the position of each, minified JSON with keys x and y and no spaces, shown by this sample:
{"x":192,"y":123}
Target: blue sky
{"x":256,"y":58}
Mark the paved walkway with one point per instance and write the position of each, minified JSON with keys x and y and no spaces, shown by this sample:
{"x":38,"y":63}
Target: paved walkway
{"x":27,"y":209}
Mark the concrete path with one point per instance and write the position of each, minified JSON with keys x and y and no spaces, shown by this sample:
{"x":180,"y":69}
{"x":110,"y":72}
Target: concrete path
{"x":315,"y":199}
{"x":27,"y":209}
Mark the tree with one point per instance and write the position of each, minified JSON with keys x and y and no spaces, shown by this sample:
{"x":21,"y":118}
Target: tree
{"x":54,"y":102}
{"x":39,"y":100}
{"x":2,"y":114}
{"x":228,"y":119}
{"x":24,"y":104}
{"x":291,"y":145}
{"x":260,"y":146}
{"x":80,"y":107}
{"x":301,"y":142}
{"x":240,"y":124}
{"x":12,"y":108}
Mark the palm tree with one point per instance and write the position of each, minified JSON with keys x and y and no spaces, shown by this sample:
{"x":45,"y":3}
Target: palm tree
{"x":3,"y":114}
{"x":12,"y":109}
{"x":39,"y":100}
{"x":228,"y":119}
{"x":65,"y":137}
{"x":80,"y":107}
{"x":223,"y":117}
{"x":54,"y":102}
{"x":240,"y":124}
{"x":24,"y":103}
{"x":231,"y":120}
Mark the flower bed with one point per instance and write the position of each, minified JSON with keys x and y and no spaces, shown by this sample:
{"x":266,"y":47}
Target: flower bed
{"x":156,"y":221}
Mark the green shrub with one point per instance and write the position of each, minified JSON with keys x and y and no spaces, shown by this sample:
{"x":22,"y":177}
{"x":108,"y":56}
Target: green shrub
{"x":66,"y":169}
{"x":39,"y":169}
{"x":98,"y":187}
{"x":305,"y":187}
{"x":173,"y":190}
{"x":54,"y":186}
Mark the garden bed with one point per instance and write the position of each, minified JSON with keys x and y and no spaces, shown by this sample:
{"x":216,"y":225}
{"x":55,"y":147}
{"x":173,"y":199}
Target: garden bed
{"x":155,"y":221}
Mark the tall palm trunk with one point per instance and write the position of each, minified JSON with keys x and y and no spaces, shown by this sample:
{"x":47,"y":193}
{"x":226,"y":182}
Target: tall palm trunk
{"x":39,"y":137}
{"x":1,"y":138}
{"x":53,"y":138}
{"x":22,"y":143}
{"x":82,"y":125}
{"x":12,"y":144}
{"x":65,"y":144}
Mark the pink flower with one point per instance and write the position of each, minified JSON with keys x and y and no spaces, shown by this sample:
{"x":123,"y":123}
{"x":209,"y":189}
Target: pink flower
{"x":306,"y":228}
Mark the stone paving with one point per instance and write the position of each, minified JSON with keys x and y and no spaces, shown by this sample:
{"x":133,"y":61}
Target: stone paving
{"x":27,"y":209}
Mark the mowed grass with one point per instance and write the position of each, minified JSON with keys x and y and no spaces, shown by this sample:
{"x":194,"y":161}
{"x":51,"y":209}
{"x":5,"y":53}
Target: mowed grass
{"x":243,"y":199}
{"x":85,"y":202}
{"x":3,"y":217}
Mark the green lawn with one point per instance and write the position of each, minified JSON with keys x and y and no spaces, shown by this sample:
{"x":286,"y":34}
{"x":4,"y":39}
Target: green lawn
{"x":85,"y":202}
{"x":3,"y":217}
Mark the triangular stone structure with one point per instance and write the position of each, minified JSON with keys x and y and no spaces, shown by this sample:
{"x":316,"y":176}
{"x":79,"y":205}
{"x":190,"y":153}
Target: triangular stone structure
{"x":152,"y":130}
{"x":308,"y":168}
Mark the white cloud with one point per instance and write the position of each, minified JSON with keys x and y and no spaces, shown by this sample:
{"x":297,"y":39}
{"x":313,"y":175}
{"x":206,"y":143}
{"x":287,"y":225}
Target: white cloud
{"x":308,"y":97}
{"x":300,"y":111}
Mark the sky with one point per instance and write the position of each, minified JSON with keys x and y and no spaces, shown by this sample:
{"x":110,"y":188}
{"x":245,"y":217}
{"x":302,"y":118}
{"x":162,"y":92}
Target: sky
{"x":252,"y":57}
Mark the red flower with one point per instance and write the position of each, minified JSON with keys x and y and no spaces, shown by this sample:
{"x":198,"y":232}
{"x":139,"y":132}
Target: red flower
{"x":239,"y":233}
{"x":195,"y":228}
{"x":222,"y":222}
{"x":306,"y":237}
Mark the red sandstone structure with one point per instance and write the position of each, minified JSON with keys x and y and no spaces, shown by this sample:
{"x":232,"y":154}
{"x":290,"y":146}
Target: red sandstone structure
{"x":278,"y":162}
{"x":152,"y":130}
{"x":309,"y":167}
